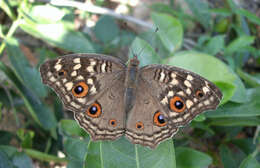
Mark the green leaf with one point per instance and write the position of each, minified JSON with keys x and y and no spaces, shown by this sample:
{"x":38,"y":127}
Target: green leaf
{"x":71,"y":128}
{"x":40,"y":112}
{"x":54,"y":14}
{"x":227,"y":158}
{"x":221,"y":11}
{"x":240,"y":92}
{"x":144,"y":52}
{"x":235,"y":121}
{"x":4,"y":160}
{"x":209,"y":67}
{"x":30,"y":76}
{"x":6,"y":7}
{"x":250,"y":108}
{"x":170,"y":31}
{"x":250,"y":16}
{"x":190,"y":158}
{"x":21,"y":160}
{"x":101,"y":28}
{"x":215,"y":45}
{"x":57,"y":33}
{"x":122,"y":153}
{"x":248,"y":79}
{"x":201,"y":12}
{"x":249,"y":162}
{"x":239,"y":43}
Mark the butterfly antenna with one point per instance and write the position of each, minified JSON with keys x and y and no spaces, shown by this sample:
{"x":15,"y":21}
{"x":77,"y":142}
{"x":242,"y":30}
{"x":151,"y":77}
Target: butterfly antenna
{"x":156,"y":30}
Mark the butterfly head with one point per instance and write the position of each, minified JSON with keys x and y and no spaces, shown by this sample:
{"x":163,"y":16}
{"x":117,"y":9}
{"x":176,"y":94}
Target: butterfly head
{"x":134,"y":61}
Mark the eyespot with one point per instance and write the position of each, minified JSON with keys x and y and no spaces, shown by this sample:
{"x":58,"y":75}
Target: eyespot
{"x":199,"y":94}
{"x":94,"y":110}
{"x":80,"y":89}
{"x":159,"y":119}
{"x":139,"y":125}
{"x":62,"y":73}
{"x":112,"y":122}
{"x":177,"y":104}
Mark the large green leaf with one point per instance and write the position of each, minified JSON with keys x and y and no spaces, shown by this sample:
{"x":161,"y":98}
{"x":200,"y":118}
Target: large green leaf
{"x":55,"y":31}
{"x":208,"y":67}
{"x":190,"y":158}
{"x":40,"y":112}
{"x":170,"y":31}
{"x":29,"y":75}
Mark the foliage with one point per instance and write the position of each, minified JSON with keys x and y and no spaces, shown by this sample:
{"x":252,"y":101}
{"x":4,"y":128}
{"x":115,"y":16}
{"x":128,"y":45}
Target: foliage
{"x":222,"y":52}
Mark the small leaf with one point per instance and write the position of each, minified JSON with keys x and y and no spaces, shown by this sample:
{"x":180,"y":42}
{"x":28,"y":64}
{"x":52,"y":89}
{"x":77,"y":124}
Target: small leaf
{"x":215,"y":45}
{"x":190,"y":158}
{"x":239,"y":43}
{"x":250,"y":16}
{"x":235,"y":121}
{"x":170,"y":31}
{"x":227,"y":158}
{"x":71,"y":128}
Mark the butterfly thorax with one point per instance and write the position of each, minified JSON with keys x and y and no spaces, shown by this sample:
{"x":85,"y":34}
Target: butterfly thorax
{"x":131,"y":83}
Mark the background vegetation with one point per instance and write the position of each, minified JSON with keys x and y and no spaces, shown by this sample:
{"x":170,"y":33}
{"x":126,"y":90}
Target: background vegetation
{"x":220,"y":41}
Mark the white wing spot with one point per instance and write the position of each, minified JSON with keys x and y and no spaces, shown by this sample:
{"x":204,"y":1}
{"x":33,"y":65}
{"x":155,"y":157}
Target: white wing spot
{"x":77,"y":66}
{"x":80,"y":77}
{"x":58,"y":67}
{"x":58,"y":84}
{"x":82,"y":100}
{"x":52,"y":79}
{"x":173,"y":75}
{"x":92,"y":62}
{"x":76,"y":60}
{"x":90,"y":81}
{"x":103,"y":67}
{"x":186,"y":116}
{"x":162,"y":76}
{"x":74,"y":73}
{"x":189,"y":77}
{"x":75,"y":105}
{"x":174,"y":82}
{"x":164,"y":101}
{"x":170,"y":93}
{"x":188,"y":91}
{"x":173,"y":114}
{"x":181,"y":93}
{"x":67,"y":98}
{"x":179,"y":119}
{"x":195,"y":100}
{"x":206,"y":102}
{"x":189,"y":103}
{"x":64,"y":80}
{"x":211,"y":98}
{"x":49,"y":74}
{"x":69,"y":86}
{"x":187,"y":83}
{"x":93,"y":90}
{"x":90,"y":69}
{"x":205,"y":89}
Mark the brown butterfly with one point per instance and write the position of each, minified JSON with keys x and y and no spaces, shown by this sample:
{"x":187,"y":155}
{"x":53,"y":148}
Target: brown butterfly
{"x":110,"y":99}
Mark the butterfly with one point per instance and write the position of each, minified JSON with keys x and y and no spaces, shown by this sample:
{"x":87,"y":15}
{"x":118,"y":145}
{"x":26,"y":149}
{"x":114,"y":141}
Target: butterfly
{"x":110,"y":99}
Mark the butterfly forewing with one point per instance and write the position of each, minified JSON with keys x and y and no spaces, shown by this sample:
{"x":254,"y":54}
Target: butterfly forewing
{"x":182,"y":93}
{"x":79,"y":79}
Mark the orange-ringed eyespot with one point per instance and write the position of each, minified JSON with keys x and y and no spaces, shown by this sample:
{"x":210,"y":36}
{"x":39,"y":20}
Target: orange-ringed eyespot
{"x":112,"y":122}
{"x":94,"y":110}
{"x":177,"y":104}
{"x":159,"y":119}
{"x":62,"y":73}
{"x":80,"y":89}
{"x":199,"y":94}
{"x":139,"y":125}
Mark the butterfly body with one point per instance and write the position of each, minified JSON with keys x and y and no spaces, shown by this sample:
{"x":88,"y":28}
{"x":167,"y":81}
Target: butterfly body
{"x":110,"y":99}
